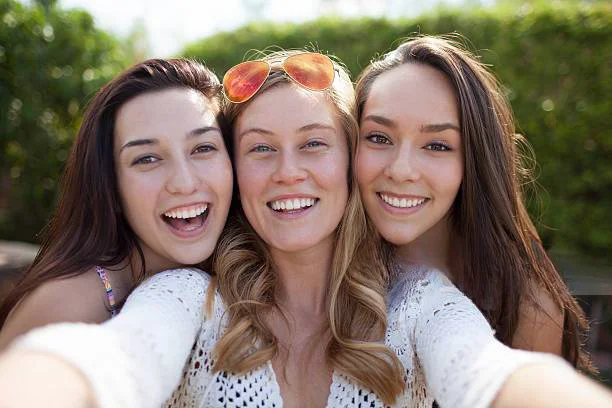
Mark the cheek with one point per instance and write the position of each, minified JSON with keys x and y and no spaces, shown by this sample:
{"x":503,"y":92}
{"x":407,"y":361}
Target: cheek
{"x":368,"y":165}
{"x":448,"y":177}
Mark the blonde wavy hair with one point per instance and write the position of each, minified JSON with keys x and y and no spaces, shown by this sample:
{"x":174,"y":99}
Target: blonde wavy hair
{"x":356,"y":309}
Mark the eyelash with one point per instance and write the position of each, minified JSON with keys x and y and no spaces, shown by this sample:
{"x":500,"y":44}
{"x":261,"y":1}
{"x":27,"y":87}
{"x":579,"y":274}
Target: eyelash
{"x":314,"y":144}
{"x":438,"y":147}
{"x":377,"y":138}
{"x":259,"y":148}
{"x":205,"y":148}
{"x":145,"y":160}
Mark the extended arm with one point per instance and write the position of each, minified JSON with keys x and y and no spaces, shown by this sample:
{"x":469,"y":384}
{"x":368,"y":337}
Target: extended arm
{"x":133,"y":360}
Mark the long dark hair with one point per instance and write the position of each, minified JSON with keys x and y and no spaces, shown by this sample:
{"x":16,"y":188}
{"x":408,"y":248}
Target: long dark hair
{"x":502,"y":257}
{"x":88,"y":227}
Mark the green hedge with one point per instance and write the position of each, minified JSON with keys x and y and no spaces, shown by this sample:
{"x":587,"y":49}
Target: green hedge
{"x":51,"y":62}
{"x":555,"y":64}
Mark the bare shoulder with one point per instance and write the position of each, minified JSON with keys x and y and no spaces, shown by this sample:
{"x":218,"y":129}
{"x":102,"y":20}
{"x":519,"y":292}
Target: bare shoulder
{"x":79,"y":298}
{"x":540,"y":326}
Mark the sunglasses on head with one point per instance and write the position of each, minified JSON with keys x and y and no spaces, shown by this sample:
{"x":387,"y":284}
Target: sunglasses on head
{"x":310,"y":70}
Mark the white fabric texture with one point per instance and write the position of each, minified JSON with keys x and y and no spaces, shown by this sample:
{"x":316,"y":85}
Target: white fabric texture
{"x":446,"y":346}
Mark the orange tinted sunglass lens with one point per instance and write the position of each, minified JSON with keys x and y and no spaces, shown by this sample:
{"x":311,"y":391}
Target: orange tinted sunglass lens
{"x":312,"y":70}
{"x":244,"y":80}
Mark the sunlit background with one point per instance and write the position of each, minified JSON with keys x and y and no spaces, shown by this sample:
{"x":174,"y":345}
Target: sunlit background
{"x":553,"y":57}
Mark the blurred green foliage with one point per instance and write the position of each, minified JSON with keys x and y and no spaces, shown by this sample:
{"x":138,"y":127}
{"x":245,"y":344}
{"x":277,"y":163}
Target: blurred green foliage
{"x":554,"y":60}
{"x":51,"y":62}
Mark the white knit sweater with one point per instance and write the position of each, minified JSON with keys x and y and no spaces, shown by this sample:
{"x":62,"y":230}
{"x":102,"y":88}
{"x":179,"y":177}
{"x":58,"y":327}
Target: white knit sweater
{"x":138,"y":359}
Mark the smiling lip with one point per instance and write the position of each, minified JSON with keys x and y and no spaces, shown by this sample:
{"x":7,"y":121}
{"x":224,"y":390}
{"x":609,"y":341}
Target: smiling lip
{"x":191,"y":233}
{"x":292,"y":206}
{"x":401,"y":204}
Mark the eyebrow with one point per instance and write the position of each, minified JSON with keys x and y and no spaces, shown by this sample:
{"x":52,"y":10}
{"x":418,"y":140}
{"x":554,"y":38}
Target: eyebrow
{"x":431,"y":128}
{"x":439,"y":127}
{"x":381,"y":120}
{"x":305,"y":128}
{"x":152,"y":141}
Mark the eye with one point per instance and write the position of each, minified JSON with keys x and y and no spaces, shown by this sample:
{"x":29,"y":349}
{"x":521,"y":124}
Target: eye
{"x":438,"y":147}
{"x":261,"y":148}
{"x":204,"y":148}
{"x":378,"y":138}
{"x":145,"y":160}
{"x":314,"y":144}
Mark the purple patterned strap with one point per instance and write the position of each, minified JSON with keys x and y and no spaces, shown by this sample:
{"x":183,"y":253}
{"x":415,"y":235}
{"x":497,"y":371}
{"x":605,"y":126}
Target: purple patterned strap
{"x":108,"y":289}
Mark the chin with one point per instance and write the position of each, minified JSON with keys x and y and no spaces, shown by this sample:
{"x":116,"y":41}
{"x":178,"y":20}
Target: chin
{"x":398,"y":238}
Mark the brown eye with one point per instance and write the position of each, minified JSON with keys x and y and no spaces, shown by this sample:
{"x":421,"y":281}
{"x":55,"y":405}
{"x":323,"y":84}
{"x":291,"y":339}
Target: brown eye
{"x":205,"y":148}
{"x":438,"y":147}
{"x":378,"y":138}
{"x":145,"y":160}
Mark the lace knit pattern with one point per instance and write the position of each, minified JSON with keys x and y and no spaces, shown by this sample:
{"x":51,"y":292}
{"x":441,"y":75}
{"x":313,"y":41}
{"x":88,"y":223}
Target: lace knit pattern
{"x":446,"y":346}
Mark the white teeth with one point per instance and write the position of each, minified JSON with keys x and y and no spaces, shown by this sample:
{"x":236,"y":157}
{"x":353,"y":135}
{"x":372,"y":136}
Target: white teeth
{"x":189,"y":212}
{"x":403,"y":202}
{"x":292,"y":204}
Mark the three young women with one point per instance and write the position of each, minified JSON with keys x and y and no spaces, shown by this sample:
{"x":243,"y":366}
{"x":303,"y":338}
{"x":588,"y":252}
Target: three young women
{"x":299,"y":313}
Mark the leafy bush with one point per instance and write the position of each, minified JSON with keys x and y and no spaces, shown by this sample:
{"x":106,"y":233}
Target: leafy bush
{"x":555,"y":64}
{"x":51,"y":61}
{"x":554,"y":61}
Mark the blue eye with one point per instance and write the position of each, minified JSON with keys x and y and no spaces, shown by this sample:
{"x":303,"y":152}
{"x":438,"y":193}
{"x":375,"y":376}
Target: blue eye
{"x":438,"y":147}
{"x":145,"y":160}
{"x":378,"y":138}
{"x":314,"y":144}
{"x":261,"y":149}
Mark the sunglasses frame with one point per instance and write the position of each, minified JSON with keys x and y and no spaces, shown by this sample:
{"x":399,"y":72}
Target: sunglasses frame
{"x":283,"y":65}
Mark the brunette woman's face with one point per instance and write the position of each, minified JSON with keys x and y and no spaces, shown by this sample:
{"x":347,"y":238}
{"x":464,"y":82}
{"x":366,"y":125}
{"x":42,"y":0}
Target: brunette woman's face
{"x":409,"y":160}
{"x":291,"y":165}
{"x":174,"y":175}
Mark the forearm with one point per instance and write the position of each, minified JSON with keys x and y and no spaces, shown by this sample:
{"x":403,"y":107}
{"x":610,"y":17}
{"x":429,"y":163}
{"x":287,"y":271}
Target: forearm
{"x":34,"y":379}
{"x":547,"y":385}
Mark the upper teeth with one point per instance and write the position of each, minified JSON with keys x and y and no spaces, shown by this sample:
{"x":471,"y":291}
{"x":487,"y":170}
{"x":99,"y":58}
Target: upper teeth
{"x":187,"y":212}
{"x":292,"y":203}
{"x":402,"y":202}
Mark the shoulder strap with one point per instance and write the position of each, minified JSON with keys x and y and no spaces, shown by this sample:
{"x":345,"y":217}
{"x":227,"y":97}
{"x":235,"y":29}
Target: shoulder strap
{"x":108,"y":289}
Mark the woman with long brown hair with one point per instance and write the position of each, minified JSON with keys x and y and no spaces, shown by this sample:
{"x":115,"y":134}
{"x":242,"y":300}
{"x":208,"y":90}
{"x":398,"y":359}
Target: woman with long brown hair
{"x":299,"y":313}
{"x":441,"y":172}
{"x":146,"y":188}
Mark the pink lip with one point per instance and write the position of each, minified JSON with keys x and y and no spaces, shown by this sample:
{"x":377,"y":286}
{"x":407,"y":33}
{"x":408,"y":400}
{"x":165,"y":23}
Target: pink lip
{"x":290,"y":197}
{"x":402,"y":211}
{"x":197,"y":232}
{"x":193,"y":204}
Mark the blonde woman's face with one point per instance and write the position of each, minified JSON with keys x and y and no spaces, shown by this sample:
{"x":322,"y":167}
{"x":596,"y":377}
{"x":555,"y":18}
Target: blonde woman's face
{"x":409,"y":161}
{"x":291,"y":165}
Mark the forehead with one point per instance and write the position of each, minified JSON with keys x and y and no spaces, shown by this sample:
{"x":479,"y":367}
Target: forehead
{"x":287,"y":107}
{"x":171,"y":111}
{"x":413,"y":89}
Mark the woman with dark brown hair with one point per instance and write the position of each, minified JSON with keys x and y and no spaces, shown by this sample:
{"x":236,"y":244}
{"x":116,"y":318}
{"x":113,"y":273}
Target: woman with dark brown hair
{"x":440,"y":170}
{"x":146,"y":188}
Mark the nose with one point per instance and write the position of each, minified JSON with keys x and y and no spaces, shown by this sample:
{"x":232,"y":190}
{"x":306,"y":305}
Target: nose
{"x":289,"y":169}
{"x":404,"y":165}
{"x":184,"y":178}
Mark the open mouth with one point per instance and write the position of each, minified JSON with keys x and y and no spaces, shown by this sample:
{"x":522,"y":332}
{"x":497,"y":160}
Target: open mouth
{"x":187,"y":219}
{"x":292,"y":205}
{"x":402,"y":202}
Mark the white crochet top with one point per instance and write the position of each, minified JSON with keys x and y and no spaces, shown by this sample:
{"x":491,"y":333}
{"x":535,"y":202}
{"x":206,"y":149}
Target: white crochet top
{"x":138,"y":358}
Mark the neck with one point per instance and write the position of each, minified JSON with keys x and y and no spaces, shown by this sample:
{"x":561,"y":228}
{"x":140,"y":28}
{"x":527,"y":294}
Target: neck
{"x":431,"y":248}
{"x":303,"y":278}
{"x":153,"y":263}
